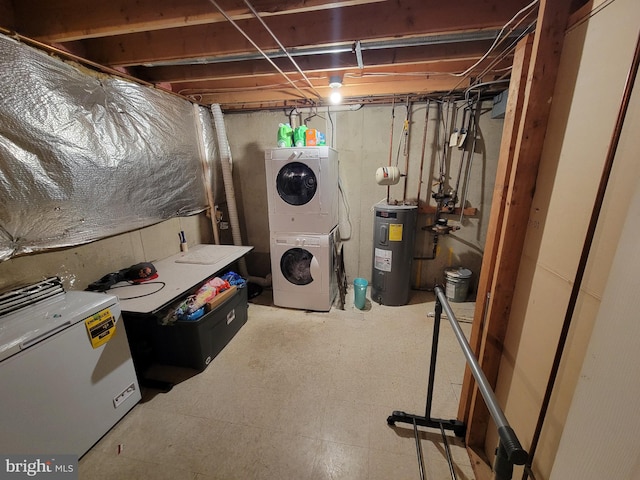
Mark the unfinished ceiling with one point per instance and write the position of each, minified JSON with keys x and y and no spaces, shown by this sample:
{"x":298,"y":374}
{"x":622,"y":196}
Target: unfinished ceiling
{"x":251,"y":54}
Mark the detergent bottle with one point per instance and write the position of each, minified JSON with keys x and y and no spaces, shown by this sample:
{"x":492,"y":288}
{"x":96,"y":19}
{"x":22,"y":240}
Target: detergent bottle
{"x":285,"y":135}
{"x":299,"y":136}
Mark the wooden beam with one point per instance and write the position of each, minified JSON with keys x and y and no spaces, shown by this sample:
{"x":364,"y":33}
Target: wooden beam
{"x":285,"y":92}
{"x":480,"y":464}
{"x":343,"y":26}
{"x":457,"y":57}
{"x":477,"y":427}
{"x":530,"y":133}
{"x":7,"y":14}
{"x":320,"y":81}
{"x":352,"y":76}
{"x":68,"y":20}
{"x":513,"y":113}
{"x":436,"y":73}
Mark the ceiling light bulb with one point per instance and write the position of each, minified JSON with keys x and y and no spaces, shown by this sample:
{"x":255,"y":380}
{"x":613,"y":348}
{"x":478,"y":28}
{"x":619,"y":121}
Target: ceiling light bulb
{"x":335,"y":82}
{"x":336,"y":96}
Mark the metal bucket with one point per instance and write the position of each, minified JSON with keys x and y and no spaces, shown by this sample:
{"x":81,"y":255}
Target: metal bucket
{"x":457,"y":287}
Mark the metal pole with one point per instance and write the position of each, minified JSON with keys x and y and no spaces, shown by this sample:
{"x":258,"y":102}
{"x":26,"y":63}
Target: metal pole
{"x":447,"y":452}
{"x":508,"y":439}
{"x":434,"y":357}
{"x":418,"y":450}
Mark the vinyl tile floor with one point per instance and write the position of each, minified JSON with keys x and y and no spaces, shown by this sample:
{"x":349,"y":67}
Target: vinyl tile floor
{"x":299,"y":395}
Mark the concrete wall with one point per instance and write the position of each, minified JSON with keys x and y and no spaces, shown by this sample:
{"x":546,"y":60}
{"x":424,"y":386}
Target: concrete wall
{"x":81,"y":265}
{"x":595,"y":62}
{"x":362,"y":138}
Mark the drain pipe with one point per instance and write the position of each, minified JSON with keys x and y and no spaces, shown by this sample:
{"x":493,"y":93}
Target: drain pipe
{"x":227,"y":177}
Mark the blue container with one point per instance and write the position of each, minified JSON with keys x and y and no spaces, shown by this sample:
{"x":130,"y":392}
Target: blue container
{"x":359,"y":292}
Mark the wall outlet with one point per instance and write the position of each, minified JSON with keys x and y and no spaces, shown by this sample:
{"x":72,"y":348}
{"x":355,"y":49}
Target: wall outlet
{"x":121,"y":397}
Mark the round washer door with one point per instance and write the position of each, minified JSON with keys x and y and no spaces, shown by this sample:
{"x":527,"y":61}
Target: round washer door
{"x":296,"y":183}
{"x":295,"y":265}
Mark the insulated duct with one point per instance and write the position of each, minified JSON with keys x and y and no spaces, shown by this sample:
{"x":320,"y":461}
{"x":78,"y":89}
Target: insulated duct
{"x":225,"y":160}
{"x":208,"y":155}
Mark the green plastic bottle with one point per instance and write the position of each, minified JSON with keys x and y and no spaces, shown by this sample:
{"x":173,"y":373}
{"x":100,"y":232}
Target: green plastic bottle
{"x":285,"y":135}
{"x":299,"y":136}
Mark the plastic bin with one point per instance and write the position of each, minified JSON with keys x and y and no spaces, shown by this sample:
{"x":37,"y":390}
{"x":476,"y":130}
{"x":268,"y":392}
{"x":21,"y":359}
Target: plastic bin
{"x":195,"y":343}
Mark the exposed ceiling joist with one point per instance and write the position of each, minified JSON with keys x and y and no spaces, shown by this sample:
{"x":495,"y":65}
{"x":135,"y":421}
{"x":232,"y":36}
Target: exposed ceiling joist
{"x":379,"y":47}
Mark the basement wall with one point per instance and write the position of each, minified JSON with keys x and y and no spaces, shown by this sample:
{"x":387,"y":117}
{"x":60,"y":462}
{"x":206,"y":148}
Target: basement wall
{"x":595,"y":61}
{"x":81,"y":265}
{"x":365,"y":142}
{"x":362,"y":139}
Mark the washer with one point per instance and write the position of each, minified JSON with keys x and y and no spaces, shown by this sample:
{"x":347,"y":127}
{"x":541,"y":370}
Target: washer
{"x":302,"y":267}
{"x":302,"y":189}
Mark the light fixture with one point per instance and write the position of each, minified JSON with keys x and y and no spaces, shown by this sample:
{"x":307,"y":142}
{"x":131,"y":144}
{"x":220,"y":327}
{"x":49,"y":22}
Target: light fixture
{"x":335,"y":82}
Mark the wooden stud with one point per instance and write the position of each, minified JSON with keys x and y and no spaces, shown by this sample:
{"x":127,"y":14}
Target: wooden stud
{"x":530,"y":133}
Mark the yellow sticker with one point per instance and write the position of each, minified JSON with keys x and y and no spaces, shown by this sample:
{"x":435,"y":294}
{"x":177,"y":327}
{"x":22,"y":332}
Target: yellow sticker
{"x":395,"y":232}
{"x":101,"y":327}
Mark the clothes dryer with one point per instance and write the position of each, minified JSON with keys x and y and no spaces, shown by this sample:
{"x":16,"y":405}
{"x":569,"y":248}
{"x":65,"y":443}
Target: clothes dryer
{"x":303,"y":270}
{"x":302,"y":189}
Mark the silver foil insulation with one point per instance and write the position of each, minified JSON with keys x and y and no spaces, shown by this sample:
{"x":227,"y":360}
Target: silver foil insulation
{"x":85,"y":155}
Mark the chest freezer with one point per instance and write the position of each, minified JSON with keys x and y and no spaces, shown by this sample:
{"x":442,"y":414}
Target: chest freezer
{"x":66,"y":373}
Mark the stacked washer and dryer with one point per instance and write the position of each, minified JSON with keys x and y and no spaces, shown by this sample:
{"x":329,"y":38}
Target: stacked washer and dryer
{"x":302,"y":190}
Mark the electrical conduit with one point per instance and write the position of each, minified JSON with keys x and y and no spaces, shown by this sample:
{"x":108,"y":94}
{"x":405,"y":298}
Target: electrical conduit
{"x":225,"y":160}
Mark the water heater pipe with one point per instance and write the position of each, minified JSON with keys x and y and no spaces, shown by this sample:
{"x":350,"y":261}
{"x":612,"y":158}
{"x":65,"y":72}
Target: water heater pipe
{"x":424,"y":143}
{"x":227,"y":177}
{"x":407,"y":132}
{"x":393,"y":117}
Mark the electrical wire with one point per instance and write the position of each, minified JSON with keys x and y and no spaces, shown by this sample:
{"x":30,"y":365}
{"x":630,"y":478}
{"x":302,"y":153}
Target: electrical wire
{"x":133,"y":284}
{"x":347,"y":210}
{"x":333,"y":132}
{"x":495,"y":42}
{"x":507,"y":50}
{"x":592,"y":11}
{"x":242,"y":32}
{"x":240,"y":89}
{"x":255,"y":13}
{"x":484,"y":84}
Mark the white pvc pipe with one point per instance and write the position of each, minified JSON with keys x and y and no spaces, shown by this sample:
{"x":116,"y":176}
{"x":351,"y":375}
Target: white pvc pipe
{"x":227,"y":177}
{"x":331,"y":109}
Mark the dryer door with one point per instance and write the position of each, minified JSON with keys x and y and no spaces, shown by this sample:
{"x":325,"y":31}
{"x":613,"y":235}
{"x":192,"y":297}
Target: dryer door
{"x":299,"y":266}
{"x":296,"y":183}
